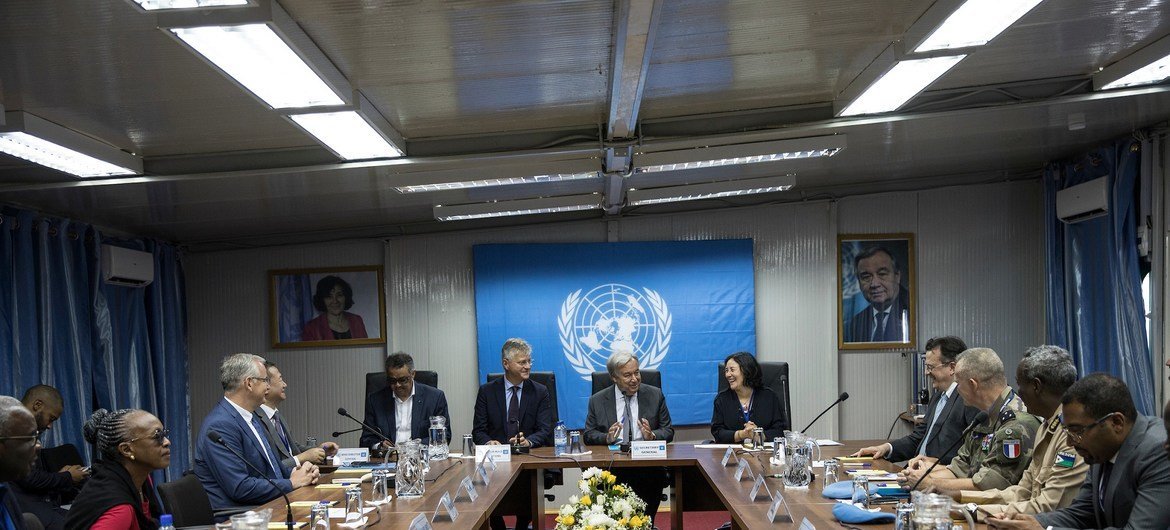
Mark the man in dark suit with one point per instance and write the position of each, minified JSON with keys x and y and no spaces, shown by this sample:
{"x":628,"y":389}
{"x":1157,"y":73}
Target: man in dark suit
{"x":513,"y":409}
{"x":44,"y":490}
{"x":946,"y":416}
{"x":280,"y":436}
{"x":879,"y":277}
{"x":630,"y":411}
{"x":19,"y":442}
{"x":1129,"y":477}
{"x":229,"y":482}
{"x":402,"y":411}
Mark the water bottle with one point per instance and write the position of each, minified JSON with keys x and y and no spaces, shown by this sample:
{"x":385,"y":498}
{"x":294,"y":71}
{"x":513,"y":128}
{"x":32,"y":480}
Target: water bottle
{"x":560,"y":439}
{"x":166,"y":522}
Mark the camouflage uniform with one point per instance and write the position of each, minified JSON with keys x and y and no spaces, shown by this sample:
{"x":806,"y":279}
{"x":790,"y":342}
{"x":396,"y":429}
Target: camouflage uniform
{"x":996,"y":453}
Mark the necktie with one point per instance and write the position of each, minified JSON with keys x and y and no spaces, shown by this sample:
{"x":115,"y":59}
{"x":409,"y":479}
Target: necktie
{"x":268,"y":454}
{"x":6,"y":521}
{"x":879,"y":331}
{"x":278,"y":422}
{"x":938,"y":408}
{"x":628,"y":423}
{"x":513,"y":427}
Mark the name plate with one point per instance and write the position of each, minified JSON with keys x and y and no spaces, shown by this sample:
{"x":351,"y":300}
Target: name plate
{"x":740,"y":470}
{"x":757,"y":487}
{"x":481,"y":475}
{"x":493,"y":454}
{"x":807,"y":525}
{"x":729,"y":457}
{"x":445,"y":510}
{"x":641,"y":450}
{"x":774,"y":509}
{"x":345,"y":457}
{"x":466,"y":491}
{"x":420,"y":522}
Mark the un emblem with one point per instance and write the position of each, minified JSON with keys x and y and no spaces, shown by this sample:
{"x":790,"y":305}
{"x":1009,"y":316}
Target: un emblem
{"x":611,"y":317}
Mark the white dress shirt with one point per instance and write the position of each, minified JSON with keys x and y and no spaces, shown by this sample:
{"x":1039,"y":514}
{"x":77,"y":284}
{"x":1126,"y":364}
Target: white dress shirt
{"x":635,"y":424}
{"x":247,"y":415}
{"x":271,"y":413}
{"x":403,"y":410}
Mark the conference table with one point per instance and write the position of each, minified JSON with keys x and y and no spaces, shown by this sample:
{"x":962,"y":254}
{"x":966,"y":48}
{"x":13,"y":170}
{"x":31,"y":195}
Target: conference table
{"x":701,"y":482}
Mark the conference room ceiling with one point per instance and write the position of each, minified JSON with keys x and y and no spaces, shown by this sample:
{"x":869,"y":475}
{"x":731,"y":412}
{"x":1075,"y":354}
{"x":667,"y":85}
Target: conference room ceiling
{"x":488,"y":88}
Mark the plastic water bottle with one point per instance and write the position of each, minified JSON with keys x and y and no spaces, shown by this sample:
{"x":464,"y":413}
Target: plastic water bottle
{"x":166,"y":522}
{"x":560,"y":439}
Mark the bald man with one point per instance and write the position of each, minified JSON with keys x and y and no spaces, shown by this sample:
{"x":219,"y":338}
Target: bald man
{"x":19,"y":443}
{"x":44,"y":490}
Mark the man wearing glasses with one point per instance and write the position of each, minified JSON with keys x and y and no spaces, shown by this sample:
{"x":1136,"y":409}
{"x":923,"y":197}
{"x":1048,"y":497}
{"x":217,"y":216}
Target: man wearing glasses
{"x":279,"y":435}
{"x":229,"y":482}
{"x":44,"y":490}
{"x":1129,"y":481}
{"x":513,"y":409}
{"x":946,"y":416}
{"x":19,"y":442}
{"x":996,"y":453}
{"x":402,"y":411}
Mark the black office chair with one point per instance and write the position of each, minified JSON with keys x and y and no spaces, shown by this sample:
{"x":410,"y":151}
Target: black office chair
{"x":775,"y":376}
{"x":376,"y":381}
{"x":552,"y":477}
{"x":61,"y":456}
{"x":187,"y":502}
{"x":601,"y":380}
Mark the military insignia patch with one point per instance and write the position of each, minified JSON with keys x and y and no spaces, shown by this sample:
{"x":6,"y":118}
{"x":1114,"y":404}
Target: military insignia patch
{"x":1011,"y":449}
{"x":985,"y":445}
{"x":1065,"y":460}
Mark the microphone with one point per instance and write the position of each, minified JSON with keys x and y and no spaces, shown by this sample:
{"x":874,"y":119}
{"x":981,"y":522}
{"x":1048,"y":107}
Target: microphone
{"x":518,"y":449}
{"x":339,"y":433}
{"x":842,"y":397}
{"x":215,"y":437}
{"x":979,"y":418}
{"x":343,"y":412}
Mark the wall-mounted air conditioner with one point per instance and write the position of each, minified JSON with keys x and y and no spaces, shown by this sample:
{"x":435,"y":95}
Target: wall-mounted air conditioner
{"x":123,"y":266}
{"x":1083,"y":201}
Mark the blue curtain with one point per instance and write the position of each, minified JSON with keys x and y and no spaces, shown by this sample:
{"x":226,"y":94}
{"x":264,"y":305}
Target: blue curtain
{"x":101,"y":345}
{"x":1095,"y":306}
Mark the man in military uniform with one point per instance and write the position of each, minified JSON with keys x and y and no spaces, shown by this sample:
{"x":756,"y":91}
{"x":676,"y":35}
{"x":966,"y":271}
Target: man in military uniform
{"x":1057,"y":472}
{"x":996,"y":453}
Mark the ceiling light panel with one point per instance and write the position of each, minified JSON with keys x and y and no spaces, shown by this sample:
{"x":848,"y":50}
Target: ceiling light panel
{"x":975,"y":23}
{"x":652,"y":158}
{"x":901,"y":83}
{"x":694,"y":192}
{"x":45,"y":143}
{"x":543,"y":205}
{"x":790,"y":155}
{"x":1148,"y":65}
{"x":158,"y":5}
{"x":504,"y":181}
{"x":347,"y":134}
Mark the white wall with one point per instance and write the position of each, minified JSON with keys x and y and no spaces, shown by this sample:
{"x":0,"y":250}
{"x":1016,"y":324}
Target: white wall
{"x":979,"y":264}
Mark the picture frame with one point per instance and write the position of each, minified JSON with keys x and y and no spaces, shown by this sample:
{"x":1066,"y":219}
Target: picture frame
{"x":870,"y":314}
{"x":336,"y":306}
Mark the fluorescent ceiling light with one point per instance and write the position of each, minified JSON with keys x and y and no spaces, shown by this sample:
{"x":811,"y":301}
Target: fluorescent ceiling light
{"x":347,"y":134}
{"x":155,"y":5}
{"x":50,"y":145}
{"x":256,"y":57}
{"x":902,"y":82}
{"x":1154,"y":72}
{"x":505,"y":181}
{"x":791,"y":155}
{"x":1148,"y":65}
{"x":713,"y":190}
{"x":975,"y":23}
{"x":568,"y":203}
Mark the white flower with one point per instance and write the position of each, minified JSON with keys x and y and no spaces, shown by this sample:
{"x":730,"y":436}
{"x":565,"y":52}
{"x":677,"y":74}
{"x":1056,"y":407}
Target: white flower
{"x":590,"y":473}
{"x":600,"y":500}
{"x":583,"y":486}
{"x":573,"y":500}
{"x":599,"y":519}
{"x":622,"y":507}
{"x":568,"y":509}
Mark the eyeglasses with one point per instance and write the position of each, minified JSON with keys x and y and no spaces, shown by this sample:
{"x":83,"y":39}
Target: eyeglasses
{"x":396,"y":381}
{"x":526,"y":362}
{"x":158,"y":436}
{"x":1077,"y":432}
{"x":36,"y":437}
{"x":931,"y":367}
{"x":267,"y":380}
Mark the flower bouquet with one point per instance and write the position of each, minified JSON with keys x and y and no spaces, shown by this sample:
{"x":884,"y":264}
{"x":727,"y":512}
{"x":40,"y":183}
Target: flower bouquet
{"x":603,"y":504}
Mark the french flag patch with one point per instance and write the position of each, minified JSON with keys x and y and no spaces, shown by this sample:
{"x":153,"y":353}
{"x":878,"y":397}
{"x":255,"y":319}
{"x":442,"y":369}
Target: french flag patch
{"x":1011,"y":449}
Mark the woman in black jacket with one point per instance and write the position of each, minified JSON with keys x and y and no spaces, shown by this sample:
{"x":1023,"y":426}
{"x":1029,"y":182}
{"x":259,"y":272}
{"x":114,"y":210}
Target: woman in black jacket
{"x":746,"y":404}
{"x":120,"y":496}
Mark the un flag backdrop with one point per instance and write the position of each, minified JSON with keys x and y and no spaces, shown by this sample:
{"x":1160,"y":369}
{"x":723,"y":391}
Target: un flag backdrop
{"x":680,"y":306}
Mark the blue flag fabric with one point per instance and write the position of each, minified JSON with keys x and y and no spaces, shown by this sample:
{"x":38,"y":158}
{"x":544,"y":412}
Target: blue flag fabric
{"x":680,"y":306}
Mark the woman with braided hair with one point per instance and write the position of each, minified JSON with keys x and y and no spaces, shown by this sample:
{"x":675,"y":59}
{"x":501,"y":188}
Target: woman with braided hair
{"x":120,"y":495}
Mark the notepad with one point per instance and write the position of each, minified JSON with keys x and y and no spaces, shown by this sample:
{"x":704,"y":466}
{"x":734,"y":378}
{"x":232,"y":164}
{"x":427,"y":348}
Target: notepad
{"x":332,"y":486}
{"x":273,"y":525}
{"x":309,"y":504}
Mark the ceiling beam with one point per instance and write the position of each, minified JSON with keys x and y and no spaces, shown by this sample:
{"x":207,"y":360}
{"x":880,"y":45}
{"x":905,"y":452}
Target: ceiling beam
{"x":635,"y":23}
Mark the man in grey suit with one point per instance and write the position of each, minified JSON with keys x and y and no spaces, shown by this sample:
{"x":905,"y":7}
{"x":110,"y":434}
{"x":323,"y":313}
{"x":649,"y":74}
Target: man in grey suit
{"x":1129,"y":481}
{"x":629,"y":411}
{"x":290,"y":452}
{"x":945,"y":418}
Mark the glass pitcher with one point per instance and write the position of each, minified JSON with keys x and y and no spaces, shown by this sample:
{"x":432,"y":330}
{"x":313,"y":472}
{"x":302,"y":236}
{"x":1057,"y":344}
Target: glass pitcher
{"x":410,"y":480}
{"x":252,"y":520}
{"x":438,"y":449}
{"x":933,"y":512}
{"x":798,"y":455}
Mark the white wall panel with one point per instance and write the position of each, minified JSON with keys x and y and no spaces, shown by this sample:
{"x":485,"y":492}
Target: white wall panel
{"x":227,"y":312}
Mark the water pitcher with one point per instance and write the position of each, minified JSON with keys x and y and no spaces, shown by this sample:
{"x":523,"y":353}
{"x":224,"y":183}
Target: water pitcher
{"x":438,"y":448}
{"x":410,"y":480}
{"x":798,"y":455}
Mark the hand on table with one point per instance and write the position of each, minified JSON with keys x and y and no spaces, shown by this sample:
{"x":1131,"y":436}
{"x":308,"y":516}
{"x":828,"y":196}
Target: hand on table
{"x":1013,"y":522}
{"x":876,"y":451}
{"x":647,"y":433}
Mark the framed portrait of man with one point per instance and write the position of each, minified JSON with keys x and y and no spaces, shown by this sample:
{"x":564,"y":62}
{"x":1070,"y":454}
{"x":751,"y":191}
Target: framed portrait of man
{"x":341,"y":306}
{"x":875,"y":285}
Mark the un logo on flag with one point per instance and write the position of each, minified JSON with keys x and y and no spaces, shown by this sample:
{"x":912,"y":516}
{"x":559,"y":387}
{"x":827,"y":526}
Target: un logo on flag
{"x":610,"y":317}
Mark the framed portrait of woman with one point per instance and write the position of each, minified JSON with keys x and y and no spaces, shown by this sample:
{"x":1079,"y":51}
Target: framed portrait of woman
{"x":875,"y":287}
{"x":341,"y":306}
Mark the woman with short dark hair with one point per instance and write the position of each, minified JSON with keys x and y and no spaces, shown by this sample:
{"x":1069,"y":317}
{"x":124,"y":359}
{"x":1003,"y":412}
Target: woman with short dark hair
{"x":120,"y":495}
{"x":333,"y":298}
{"x":746,"y":404}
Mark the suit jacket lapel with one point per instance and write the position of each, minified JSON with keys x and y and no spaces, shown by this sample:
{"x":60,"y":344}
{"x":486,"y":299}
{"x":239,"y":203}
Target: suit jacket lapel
{"x":645,"y":408}
{"x":942,"y":416}
{"x":271,"y":434}
{"x":609,"y":407}
{"x":416,"y":413}
{"x":501,"y":401}
{"x":527,"y":396}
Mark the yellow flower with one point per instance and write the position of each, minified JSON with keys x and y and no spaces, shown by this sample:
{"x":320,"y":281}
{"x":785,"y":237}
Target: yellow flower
{"x":609,"y":477}
{"x":586,"y":501}
{"x":566,"y":520}
{"x":623,"y":521}
{"x":619,"y":489}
